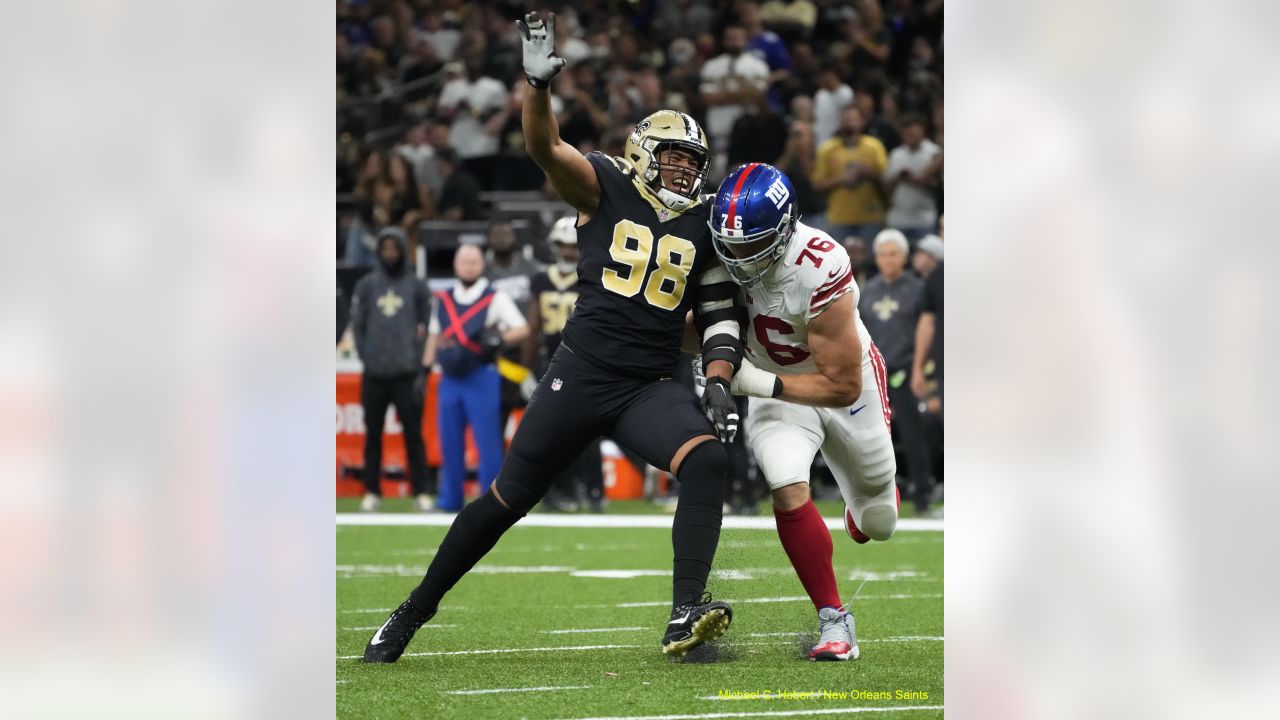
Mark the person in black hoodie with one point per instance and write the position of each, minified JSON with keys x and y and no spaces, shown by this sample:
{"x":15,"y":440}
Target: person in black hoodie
{"x":390,"y":310}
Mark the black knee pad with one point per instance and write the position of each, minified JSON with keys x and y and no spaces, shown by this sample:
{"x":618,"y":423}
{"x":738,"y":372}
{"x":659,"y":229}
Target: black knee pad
{"x":702,"y":474}
{"x":518,"y":483}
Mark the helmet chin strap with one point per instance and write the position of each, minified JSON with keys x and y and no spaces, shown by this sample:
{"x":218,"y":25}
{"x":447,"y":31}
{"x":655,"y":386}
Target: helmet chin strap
{"x":674,"y":200}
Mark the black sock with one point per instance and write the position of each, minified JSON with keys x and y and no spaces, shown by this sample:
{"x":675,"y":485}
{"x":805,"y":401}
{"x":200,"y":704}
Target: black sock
{"x":695,"y":531}
{"x":473,"y":534}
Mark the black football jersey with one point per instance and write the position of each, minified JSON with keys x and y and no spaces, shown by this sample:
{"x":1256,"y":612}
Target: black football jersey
{"x":637,"y":275}
{"x":555,"y":293}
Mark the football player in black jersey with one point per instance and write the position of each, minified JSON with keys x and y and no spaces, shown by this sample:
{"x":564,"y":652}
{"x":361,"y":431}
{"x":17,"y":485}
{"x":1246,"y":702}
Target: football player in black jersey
{"x":552,"y":295}
{"x":646,"y":261}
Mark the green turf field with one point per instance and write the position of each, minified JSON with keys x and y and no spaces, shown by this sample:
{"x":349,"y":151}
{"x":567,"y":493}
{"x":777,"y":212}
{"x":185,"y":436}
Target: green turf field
{"x":501,"y":645}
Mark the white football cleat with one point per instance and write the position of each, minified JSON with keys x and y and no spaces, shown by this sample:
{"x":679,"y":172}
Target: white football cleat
{"x":838,"y":640}
{"x":370,"y":503}
{"x":423,"y":503}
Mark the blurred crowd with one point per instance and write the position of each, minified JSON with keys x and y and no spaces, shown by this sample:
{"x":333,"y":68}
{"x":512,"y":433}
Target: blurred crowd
{"x":845,"y":97}
{"x":429,"y":100}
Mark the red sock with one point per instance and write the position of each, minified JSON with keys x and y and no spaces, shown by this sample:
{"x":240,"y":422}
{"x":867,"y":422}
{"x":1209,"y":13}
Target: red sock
{"x":805,"y":537}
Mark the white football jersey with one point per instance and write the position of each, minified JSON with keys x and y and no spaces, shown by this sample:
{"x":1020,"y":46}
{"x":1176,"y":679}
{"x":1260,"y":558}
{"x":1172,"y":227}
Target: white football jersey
{"x":814,"y":273}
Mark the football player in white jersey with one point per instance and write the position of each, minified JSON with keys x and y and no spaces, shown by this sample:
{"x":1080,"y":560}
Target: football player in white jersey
{"x":816,"y":381}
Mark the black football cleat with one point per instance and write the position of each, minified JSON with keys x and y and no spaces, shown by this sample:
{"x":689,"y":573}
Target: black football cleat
{"x":389,"y":642}
{"x":695,"y":623}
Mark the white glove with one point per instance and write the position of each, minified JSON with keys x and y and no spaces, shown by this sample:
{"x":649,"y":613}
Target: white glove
{"x":539,"y":41}
{"x":754,"y":382}
{"x":749,"y":380}
{"x":528,"y":386}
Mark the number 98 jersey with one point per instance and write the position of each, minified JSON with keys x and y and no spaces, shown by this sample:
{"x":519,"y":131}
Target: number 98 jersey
{"x":638,"y":275}
{"x":814,"y":273}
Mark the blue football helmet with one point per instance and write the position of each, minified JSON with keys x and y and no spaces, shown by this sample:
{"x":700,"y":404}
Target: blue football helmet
{"x":752,"y":220}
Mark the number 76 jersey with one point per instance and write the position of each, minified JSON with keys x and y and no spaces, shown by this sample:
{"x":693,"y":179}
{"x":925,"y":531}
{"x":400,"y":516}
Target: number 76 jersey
{"x":814,"y":273}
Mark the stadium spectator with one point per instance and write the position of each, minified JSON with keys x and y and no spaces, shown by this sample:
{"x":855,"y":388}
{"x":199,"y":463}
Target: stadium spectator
{"x":732,"y":84}
{"x":510,"y":272}
{"x":927,"y":255}
{"x":797,"y":162}
{"x":929,"y":336}
{"x":372,"y":196}
{"x":471,"y":324}
{"x":649,"y":97}
{"x":506,"y":265}
{"x":879,"y":125}
{"x":581,"y":119}
{"x":410,"y":202}
{"x":870,"y":39}
{"x":805,"y":70}
{"x":440,"y":34}
{"x":421,"y":145}
{"x":687,"y":17}
{"x":418,"y":69}
{"x":832,"y":97}
{"x":858,"y":258}
{"x":768,"y":47}
{"x":796,"y":18}
{"x":757,"y":136}
{"x":460,"y":192}
{"x":802,"y":109}
{"x":848,"y":169}
{"x":890,"y":308}
{"x":910,"y":180}
{"x":478,"y":107}
{"x":387,"y":40}
{"x":389,"y":314}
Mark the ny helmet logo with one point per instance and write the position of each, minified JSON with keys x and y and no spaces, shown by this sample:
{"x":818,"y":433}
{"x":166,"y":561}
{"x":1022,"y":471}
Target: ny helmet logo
{"x":778,"y":193}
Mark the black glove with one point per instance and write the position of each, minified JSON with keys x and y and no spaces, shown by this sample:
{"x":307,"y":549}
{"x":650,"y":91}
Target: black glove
{"x":491,"y":344}
{"x":420,"y":385}
{"x":721,"y":410}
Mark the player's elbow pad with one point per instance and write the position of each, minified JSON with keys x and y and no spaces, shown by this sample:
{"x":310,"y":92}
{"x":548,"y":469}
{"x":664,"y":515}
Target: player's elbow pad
{"x":722,"y":346}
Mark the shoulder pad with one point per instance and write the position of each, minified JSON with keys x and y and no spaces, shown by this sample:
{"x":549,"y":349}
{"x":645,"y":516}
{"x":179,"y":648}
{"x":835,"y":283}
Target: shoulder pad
{"x":623,"y":165}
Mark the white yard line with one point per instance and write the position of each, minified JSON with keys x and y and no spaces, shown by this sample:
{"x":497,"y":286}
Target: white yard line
{"x":606,"y":521}
{"x":590,"y":630}
{"x":492,"y":691}
{"x":504,"y":650}
{"x":769,"y":713}
{"x":786,"y":599}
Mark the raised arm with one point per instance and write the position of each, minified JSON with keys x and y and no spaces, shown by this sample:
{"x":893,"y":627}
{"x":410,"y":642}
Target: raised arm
{"x":569,"y":172}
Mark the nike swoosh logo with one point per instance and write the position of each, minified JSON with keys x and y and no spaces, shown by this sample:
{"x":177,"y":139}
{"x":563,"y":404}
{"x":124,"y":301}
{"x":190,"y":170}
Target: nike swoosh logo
{"x":677,"y":622}
{"x":377,"y":637}
{"x":855,"y":411}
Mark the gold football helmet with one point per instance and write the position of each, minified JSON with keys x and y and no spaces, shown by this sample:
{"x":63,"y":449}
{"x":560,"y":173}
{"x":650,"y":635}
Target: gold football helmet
{"x":663,"y":130}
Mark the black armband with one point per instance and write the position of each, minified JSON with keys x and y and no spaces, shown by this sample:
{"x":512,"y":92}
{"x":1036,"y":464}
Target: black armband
{"x":718,"y":291}
{"x":722,"y":346}
{"x":704,"y":320}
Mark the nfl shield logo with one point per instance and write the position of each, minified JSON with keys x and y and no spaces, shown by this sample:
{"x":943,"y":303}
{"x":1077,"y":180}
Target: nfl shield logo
{"x":555,"y":385}
{"x":662,"y":216}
